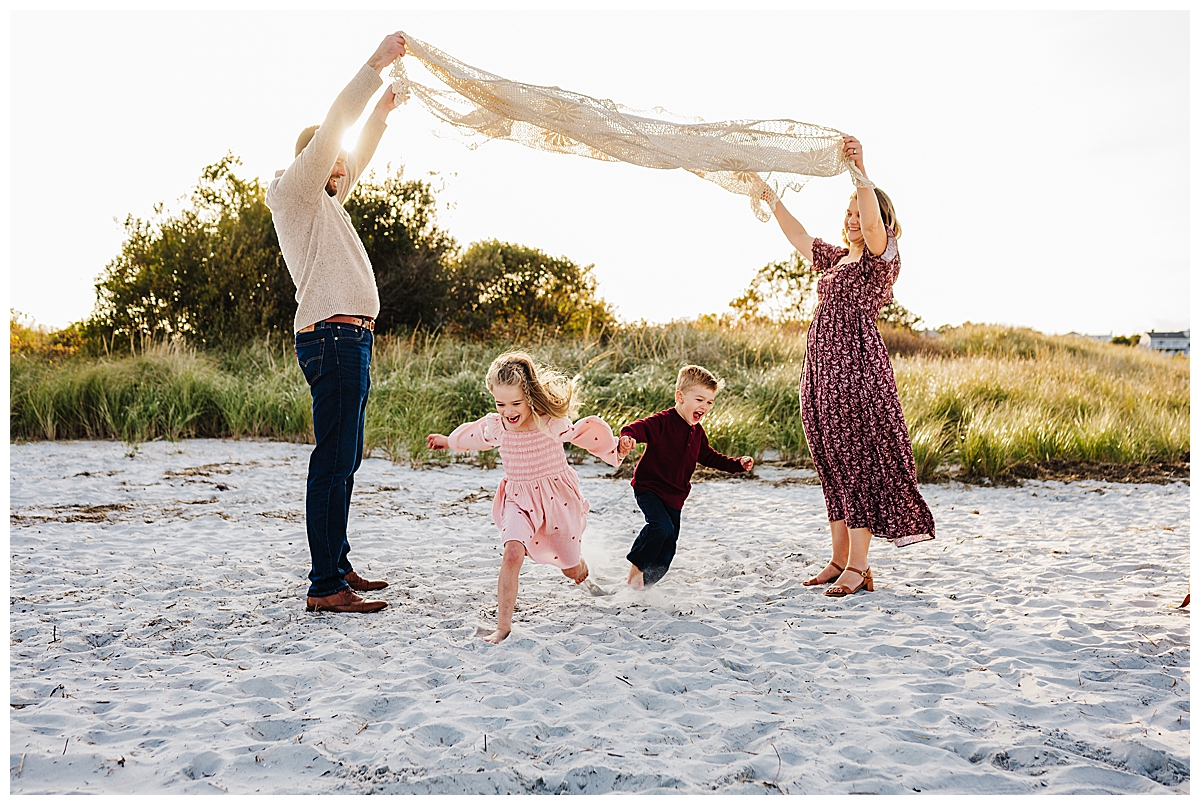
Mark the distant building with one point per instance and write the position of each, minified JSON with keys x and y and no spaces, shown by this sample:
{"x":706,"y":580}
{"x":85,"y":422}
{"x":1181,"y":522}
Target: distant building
{"x":1104,"y":339}
{"x":1168,"y":343}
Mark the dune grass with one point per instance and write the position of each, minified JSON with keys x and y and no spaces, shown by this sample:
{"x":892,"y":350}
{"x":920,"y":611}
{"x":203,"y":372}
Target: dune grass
{"x":981,"y":400}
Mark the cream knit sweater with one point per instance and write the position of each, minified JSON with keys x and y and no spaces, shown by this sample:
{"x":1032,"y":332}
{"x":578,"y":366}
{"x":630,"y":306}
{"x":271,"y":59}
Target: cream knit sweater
{"x":323,"y":253}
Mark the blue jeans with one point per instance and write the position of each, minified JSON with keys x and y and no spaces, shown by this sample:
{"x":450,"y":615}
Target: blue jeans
{"x":336,"y":362}
{"x":654,"y":548}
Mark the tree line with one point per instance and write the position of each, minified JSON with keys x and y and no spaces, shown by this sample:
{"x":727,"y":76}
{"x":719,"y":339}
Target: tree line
{"x":212,"y":275}
{"x":786,"y":291}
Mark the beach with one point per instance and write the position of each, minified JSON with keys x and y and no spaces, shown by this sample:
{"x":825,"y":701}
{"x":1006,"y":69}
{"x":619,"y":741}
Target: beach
{"x":159,"y":643}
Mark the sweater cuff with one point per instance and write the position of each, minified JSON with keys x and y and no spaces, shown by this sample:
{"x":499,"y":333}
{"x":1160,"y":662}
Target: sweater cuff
{"x":368,"y":78}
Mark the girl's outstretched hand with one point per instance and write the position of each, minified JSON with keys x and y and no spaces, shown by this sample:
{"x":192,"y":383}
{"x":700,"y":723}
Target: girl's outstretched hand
{"x":437,"y":441}
{"x":624,"y":445}
{"x":747,"y":463}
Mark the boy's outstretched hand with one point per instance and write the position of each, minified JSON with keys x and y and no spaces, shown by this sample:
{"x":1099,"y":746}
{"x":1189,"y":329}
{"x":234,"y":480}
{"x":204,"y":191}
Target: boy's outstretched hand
{"x":624,"y":445}
{"x":437,"y":441}
{"x":747,"y":463}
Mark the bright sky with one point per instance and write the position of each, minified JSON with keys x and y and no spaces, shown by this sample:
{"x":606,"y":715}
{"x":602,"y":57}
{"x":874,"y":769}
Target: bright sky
{"x":1039,"y":162}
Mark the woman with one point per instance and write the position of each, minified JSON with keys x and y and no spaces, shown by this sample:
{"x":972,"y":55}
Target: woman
{"x":849,"y":405}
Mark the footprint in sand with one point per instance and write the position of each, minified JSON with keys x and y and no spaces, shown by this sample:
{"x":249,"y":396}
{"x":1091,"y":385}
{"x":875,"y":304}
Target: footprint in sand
{"x":595,"y":589}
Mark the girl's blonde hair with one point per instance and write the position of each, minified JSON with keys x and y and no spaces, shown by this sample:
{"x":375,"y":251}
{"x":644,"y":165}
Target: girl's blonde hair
{"x":887,"y":211}
{"x":550,"y":393}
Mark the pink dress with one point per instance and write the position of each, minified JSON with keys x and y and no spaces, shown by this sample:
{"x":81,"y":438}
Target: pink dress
{"x":539,"y":503}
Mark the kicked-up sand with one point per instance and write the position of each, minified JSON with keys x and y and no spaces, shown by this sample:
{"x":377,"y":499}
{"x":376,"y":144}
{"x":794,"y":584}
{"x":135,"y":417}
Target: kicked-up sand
{"x":159,"y":643}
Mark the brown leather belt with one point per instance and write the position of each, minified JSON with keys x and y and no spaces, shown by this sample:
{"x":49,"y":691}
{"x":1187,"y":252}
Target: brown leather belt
{"x":366,"y":322}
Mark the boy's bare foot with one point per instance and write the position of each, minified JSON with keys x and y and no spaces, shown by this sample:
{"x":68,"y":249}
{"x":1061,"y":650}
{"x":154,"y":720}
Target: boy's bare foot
{"x":635,"y":579}
{"x":578,"y":573}
{"x":498,"y":635}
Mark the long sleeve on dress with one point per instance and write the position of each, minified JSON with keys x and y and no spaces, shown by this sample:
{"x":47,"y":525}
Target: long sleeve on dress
{"x":482,"y":434}
{"x":592,"y":434}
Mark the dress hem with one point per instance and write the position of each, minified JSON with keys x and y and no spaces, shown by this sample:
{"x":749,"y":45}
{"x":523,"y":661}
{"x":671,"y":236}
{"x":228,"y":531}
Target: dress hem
{"x":900,"y":542}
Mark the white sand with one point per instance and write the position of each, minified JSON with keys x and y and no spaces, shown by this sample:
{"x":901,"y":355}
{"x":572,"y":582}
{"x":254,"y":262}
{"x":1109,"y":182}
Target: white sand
{"x":161,"y":645}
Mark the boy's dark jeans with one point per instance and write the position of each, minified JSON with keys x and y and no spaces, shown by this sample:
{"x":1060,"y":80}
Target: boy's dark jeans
{"x":336,"y":362}
{"x":654,"y":547}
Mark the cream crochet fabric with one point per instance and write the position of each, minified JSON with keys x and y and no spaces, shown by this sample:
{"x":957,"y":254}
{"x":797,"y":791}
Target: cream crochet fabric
{"x":756,"y":158}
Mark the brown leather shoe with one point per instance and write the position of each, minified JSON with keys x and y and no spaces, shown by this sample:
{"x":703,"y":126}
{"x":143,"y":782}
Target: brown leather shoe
{"x":345,"y":601}
{"x":357,"y":582}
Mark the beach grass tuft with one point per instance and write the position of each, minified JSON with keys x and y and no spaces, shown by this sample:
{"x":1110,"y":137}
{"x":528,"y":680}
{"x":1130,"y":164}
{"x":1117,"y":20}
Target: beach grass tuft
{"x":984,"y":400}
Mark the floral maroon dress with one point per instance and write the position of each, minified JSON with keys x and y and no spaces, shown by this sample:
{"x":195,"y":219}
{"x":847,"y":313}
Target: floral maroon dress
{"x":849,"y":405}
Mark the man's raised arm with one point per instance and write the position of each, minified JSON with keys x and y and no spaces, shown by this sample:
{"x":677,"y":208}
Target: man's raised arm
{"x":368,"y":140}
{"x":309,"y":173}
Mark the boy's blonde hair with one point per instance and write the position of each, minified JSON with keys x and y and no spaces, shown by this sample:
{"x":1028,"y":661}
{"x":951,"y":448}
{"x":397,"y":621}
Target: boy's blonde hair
{"x":692,"y":375}
{"x":549,"y":393}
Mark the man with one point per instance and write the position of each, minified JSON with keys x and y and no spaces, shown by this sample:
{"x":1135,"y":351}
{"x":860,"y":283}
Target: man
{"x":335,"y":319}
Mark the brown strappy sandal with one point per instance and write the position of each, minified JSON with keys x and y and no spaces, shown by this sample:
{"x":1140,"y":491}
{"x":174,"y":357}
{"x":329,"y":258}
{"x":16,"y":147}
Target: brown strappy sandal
{"x":868,"y":582}
{"x":813,"y":581}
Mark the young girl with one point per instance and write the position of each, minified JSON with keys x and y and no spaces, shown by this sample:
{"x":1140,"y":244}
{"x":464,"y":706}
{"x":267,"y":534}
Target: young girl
{"x":538,"y":508}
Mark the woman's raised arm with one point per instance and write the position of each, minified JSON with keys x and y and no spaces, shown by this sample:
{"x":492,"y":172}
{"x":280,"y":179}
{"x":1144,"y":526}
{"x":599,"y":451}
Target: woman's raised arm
{"x":870,"y":219}
{"x":793,"y":230}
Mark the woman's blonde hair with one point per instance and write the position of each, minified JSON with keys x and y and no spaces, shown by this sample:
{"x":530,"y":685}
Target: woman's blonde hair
{"x":550,"y":393}
{"x":887,"y":211}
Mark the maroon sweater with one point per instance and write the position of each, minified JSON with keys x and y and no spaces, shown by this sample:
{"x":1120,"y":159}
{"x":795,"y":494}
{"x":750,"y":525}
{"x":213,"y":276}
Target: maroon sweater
{"x":673,"y":447}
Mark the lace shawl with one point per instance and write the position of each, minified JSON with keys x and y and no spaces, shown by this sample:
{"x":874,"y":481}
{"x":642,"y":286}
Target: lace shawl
{"x":755,"y":158}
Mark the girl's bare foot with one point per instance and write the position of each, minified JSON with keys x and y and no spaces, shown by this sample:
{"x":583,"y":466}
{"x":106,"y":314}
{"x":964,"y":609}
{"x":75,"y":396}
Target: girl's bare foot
{"x":498,"y":635}
{"x":635,"y":579}
{"x":578,"y":573}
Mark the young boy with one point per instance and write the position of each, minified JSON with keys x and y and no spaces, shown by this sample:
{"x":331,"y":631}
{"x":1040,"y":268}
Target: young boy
{"x":675,"y":441}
